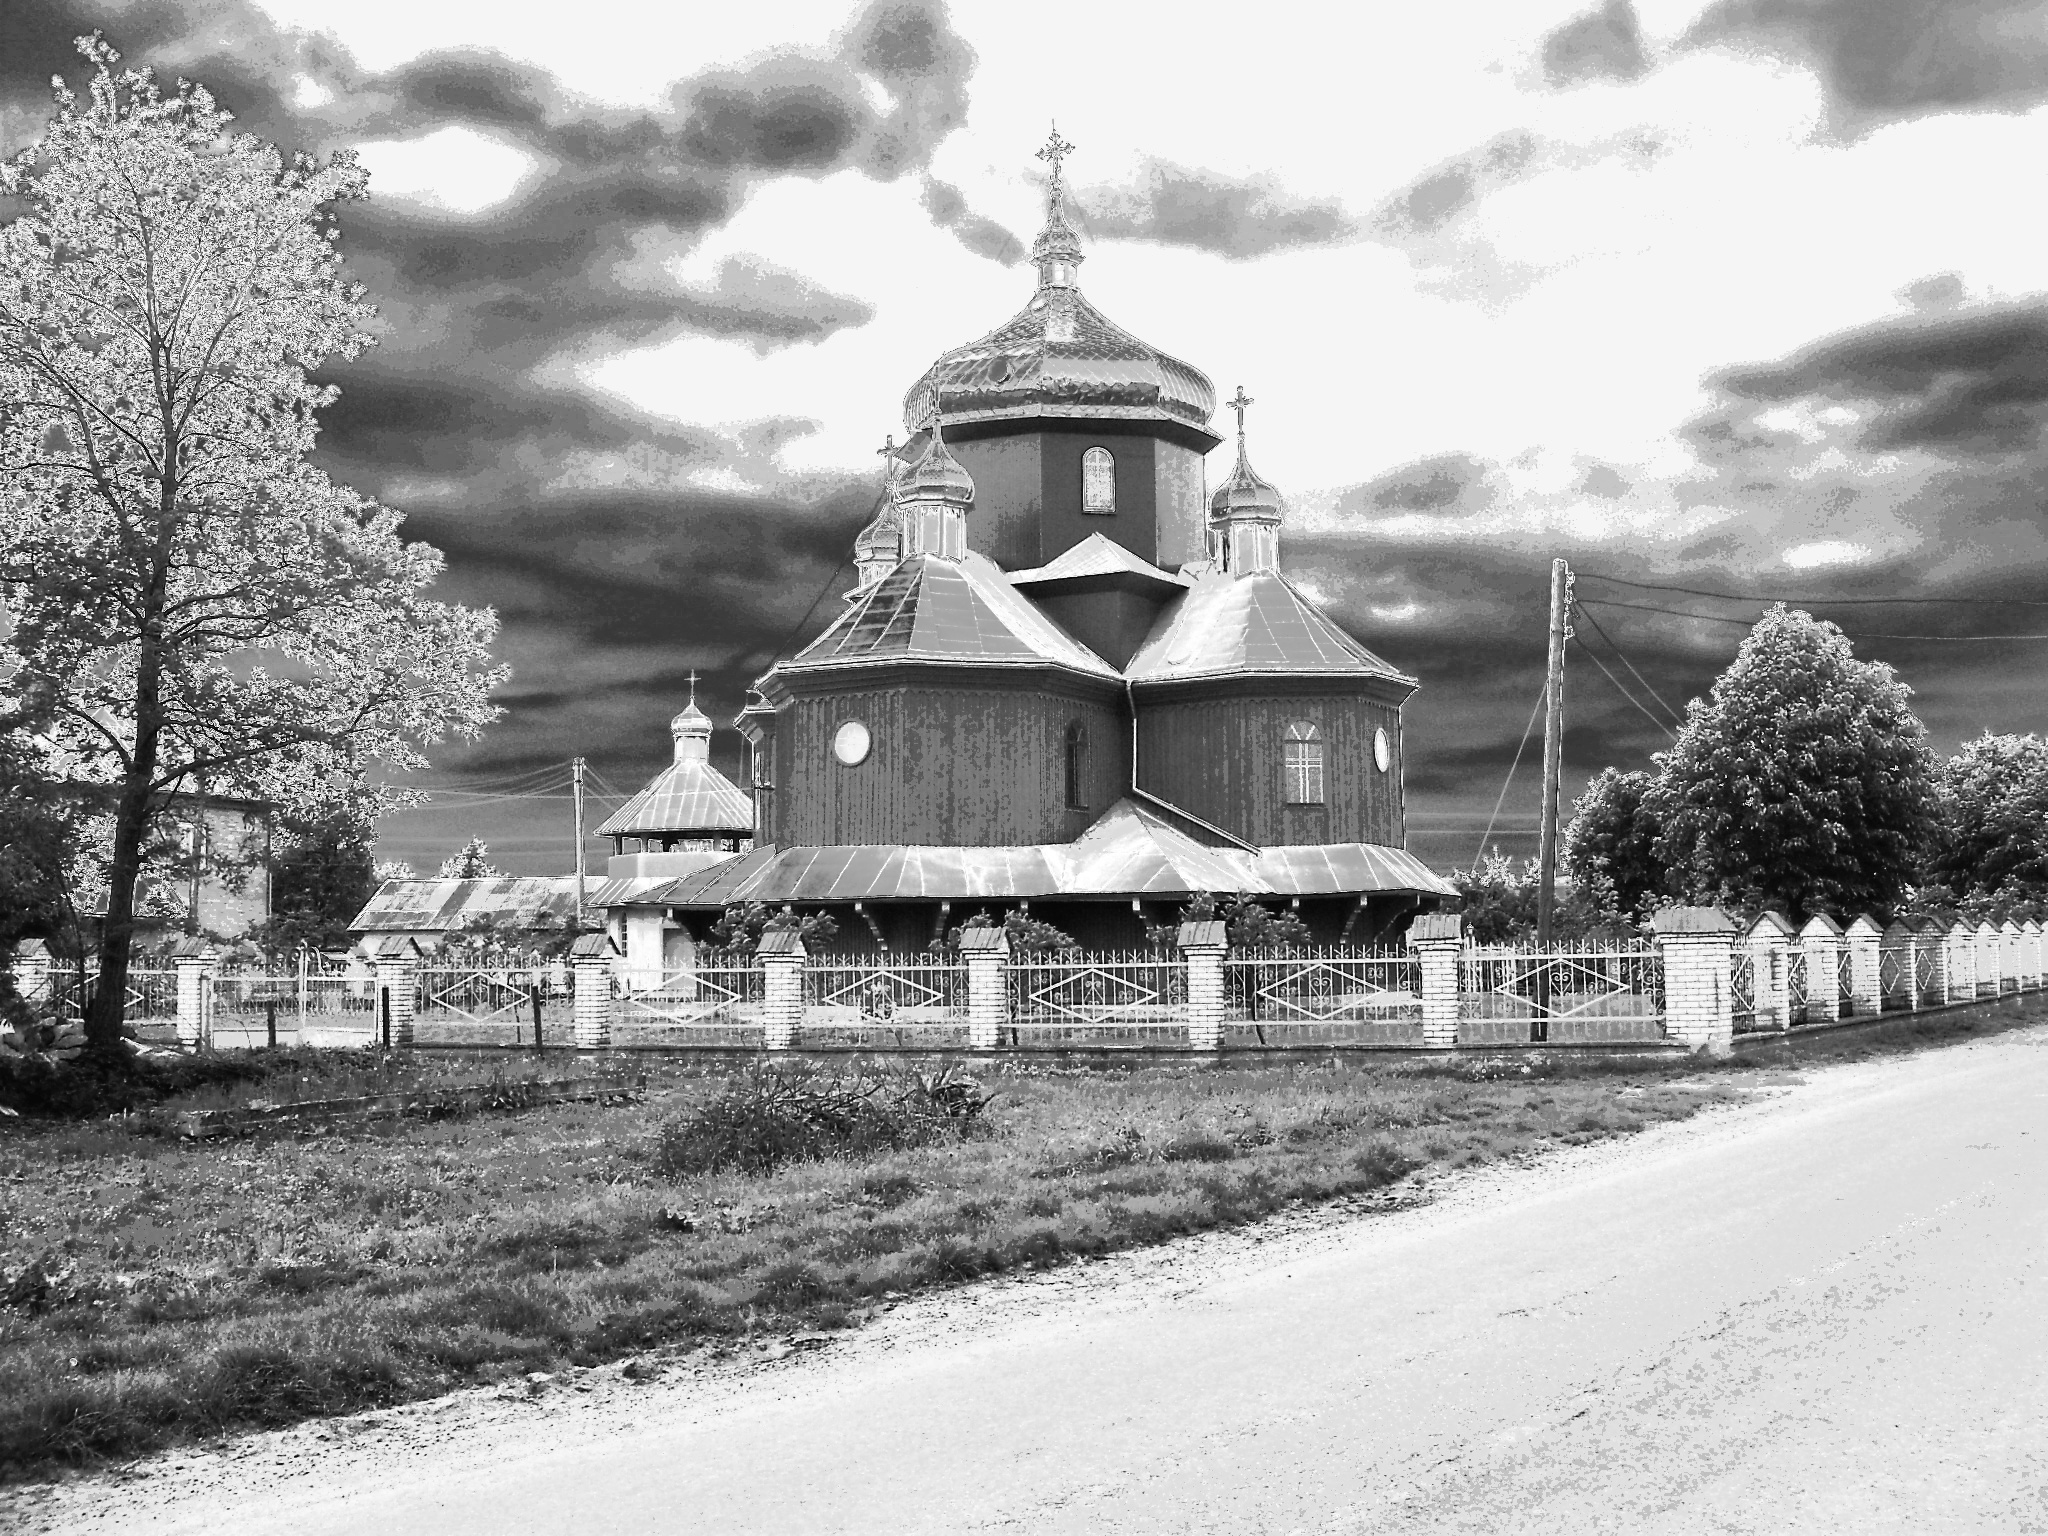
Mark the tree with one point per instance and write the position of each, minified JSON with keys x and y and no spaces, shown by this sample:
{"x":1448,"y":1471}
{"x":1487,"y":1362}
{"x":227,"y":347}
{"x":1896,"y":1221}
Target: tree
{"x":1610,"y":847}
{"x":1499,"y":903}
{"x":1804,"y":780}
{"x":470,"y":862}
{"x":740,"y":926}
{"x":321,"y":879}
{"x":208,"y":611}
{"x":1991,"y":820}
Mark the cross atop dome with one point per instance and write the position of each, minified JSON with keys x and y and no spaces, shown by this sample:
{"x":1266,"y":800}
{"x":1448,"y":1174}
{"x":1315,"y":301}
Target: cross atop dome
{"x":1057,"y":250}
{"x":1237,"y":403}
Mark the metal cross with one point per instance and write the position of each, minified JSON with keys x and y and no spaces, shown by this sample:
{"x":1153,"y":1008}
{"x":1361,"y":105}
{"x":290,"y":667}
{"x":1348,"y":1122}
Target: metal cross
{"x":888,"y":456}
{"x":1056,"y":149}
{"x":693,"y":685}
{"x":1237,"y":404}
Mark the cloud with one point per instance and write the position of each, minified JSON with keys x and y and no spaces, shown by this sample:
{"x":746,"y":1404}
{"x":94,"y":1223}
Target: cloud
{"x":1235,"y":217}
{"x":1602,"y":44}
{"x":947,"y":205}
{"x":1882,"y":60}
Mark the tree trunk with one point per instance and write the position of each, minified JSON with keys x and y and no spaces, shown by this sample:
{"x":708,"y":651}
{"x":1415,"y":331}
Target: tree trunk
{"x":104,"y":1016}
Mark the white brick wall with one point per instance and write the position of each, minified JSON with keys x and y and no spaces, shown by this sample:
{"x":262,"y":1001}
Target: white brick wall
{"x":1205,"y":996}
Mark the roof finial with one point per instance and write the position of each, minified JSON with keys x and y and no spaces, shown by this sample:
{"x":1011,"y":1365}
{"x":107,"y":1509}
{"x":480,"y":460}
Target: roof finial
{"x":1237,"y":403}
{"x":693,"y":686}
{"x":888,"y":456}
{"x":1057,"y":250}
{"x":1056,"y":150}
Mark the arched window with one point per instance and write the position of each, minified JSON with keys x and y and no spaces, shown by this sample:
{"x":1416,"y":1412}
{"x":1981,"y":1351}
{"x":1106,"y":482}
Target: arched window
{"x":1301,"y":764}
{"x":1098,"y":481}
{"x":1077,"y":766}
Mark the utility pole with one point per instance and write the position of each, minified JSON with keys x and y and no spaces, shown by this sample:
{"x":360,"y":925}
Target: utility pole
{"x":1553,"y":747}
{"x":576,"y":780}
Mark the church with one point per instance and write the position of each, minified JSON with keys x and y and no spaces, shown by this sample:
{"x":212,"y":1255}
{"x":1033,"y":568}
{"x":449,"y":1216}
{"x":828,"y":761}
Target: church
{"x":1068,"y":680}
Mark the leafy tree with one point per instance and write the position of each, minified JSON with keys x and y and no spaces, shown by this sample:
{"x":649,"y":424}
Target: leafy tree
{"x":1803,"y":780}
{"x":1247,"y":924}
{"x":740,"y":926}
{"x":1500,"y":903}
{"x":321,"y":880}
{"x":1991,"y":821}
{"x":1610,"y":847}
{"x":472,"y":861}
{"x":206,"y":609}
{"x":1025,"y":932}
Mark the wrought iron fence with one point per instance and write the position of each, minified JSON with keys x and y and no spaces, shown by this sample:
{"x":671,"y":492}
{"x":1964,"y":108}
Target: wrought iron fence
{"x":1112,"y":987}
{"x":1845,"y":981}
{"x":1612,"y":993}
{"x":884,"y":1000}
{"x":1795,"y":984}
{"x":1322,"y":995}
{"x":151,"y":996}
{"x":1742,"y":992}
{"x":718,"y":991}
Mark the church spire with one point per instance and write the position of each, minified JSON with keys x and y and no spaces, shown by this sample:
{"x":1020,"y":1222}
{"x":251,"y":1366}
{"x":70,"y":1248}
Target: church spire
{"x":692,"y":730}
{"x":932,"y":500}
{"x":1057,"y":250}
{"x":1244,"y":514}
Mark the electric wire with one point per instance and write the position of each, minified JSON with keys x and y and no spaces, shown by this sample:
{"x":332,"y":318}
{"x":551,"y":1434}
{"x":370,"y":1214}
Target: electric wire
{"x":1751,"y":597}
{"x":1622,"y":656}
{"x":1487,"y":836}
{"x":1593,"y":657}
{"x":1719,"y":618}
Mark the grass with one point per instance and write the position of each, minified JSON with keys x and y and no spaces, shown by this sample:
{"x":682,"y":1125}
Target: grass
{"x":163,"y":1292}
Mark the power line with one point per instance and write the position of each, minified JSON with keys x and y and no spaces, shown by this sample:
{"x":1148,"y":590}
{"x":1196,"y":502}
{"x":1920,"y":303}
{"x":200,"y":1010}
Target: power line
{"x":1593,"y":657}
{"x":1676,"y":718}
{"x":1719,"y":618}
{"x":1837,"y":602}
{"x":1487,"y":836}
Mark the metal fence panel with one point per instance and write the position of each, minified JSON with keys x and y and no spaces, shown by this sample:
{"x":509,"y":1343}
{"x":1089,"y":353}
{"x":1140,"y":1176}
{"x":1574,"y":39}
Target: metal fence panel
{"x":1087,"y":991}
{"x":1323,"y":996}
{"x":1611,"y":993}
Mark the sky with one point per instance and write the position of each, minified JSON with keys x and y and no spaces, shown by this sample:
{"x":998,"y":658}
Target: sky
{"x":1743,"y":297}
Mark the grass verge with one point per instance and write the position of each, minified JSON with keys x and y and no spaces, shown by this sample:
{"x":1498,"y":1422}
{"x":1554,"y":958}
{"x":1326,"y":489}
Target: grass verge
{"x":158,"y":1292}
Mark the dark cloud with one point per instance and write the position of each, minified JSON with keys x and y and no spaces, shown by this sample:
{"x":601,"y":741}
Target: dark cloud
{"x":1603,"y":44}
{"x":1440,"y":194}
{"x":1450,"y":485}
{"x":947,"y":206}
{"x":1880,"y":60}
{"x":1235,"y":217}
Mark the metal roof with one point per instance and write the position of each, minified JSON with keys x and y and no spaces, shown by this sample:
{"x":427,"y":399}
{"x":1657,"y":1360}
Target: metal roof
{"x":1129,"y":851}
{"x":408,"y":906}
{"x":933,"y":609}
{"x":1060,"y":356}
{"x":685,"y":797}
{"x":1228,"y":623}
{"x":1096,"y":555}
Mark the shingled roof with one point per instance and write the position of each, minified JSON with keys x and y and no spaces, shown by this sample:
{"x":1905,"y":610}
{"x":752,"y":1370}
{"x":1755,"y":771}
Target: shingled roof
{"x":1231,"y":624}
{"x":933,"y":609}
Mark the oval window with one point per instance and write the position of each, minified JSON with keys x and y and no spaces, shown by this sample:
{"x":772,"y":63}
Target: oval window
{"x":1382,"y":752}
{"x":851,"y":743}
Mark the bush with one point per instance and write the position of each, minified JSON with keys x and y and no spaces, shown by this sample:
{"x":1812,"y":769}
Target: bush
{"x":777,"y":1115}
{"x":91,"y":1086}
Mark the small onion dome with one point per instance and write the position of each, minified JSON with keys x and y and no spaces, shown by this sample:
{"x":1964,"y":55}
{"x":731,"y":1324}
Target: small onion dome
{"x":692,"y":731}
{"x":1245,"y":494}
{"x":938,"y":476}
{"x":882,"y":539}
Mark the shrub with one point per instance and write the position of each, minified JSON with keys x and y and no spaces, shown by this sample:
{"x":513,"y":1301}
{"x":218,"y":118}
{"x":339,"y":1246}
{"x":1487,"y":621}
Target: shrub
{"x":772,"y":1116}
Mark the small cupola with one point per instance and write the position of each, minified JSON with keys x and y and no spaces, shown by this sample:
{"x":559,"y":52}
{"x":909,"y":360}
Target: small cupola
{"x":878,"y":547}
{"x":932,"y":500}
{"x":692,"y":730}
{"x":1057,"y":250}
{"x":1244,"y":514}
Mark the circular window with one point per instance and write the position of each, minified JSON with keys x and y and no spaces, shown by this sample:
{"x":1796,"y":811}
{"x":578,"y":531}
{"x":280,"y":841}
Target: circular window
{"x":851,"y":743}
{"x":1382,"y":753}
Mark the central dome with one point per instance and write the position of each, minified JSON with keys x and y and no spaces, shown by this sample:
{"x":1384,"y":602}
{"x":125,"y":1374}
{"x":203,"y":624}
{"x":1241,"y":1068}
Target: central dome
{"x":1060,"y":356}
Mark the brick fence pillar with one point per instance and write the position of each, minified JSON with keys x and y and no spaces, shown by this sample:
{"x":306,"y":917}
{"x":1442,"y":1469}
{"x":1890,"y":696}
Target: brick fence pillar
{"x":1770,"y":939}
{"x":781,"y":953}
{"x":196,"y":965}
{"x":1958,"y":961}
{"x":398,"y":995}
{"x":2012,"y":964}
{"x":1203,"y":946}
{"x":1436,"y":938}
{"x":1865,"y":943}
{"x":986,"y":953}
{"x":1821,"y":938}
{"x":591,"y":958}
{"x":1698,"y":945}
{"x":1989,"y":969}
{"x":2030,"y":949}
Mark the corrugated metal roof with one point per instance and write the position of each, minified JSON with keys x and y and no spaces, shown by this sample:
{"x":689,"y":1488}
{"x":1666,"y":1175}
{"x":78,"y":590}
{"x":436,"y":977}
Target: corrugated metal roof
{"x":1060,"y":356}
{"x":1129,"y":851}
{"x":418,"y":906}
{"x":1096,"y":555}
{"x":1254,"y":623}
{"x":687,"y":796}
{"x":930,"y":609}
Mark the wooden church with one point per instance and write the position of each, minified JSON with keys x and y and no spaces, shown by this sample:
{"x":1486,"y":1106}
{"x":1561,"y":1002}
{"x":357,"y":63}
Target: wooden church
{"x":1068,"y":679}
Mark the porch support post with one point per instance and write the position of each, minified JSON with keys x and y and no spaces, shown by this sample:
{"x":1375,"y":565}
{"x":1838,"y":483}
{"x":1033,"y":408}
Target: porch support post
{"x":195,"y":964}
{"x":1436,"y":938}
{"x":1865,"y":941}
{"x":591,"y":958}
{"x":986,"y":953}
{"x":1203,"y":946}
{"x":1699,"y":947}
{"x":781,"y":954}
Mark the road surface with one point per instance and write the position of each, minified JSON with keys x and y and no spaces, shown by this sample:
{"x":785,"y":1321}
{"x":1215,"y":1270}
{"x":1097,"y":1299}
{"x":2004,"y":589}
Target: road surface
{"x":1822,"y":1311}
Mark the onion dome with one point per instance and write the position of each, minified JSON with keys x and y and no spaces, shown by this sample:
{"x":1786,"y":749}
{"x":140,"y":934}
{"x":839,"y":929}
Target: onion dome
{"x":932,"y":501}
{"x":1060,"y":356}
{"x":1244,"y":514}
{"x":877,"y":547}
{"x":692,"y":732}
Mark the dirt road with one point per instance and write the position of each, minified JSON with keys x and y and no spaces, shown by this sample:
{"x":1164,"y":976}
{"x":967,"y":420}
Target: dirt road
{"x":1824,"y":1311}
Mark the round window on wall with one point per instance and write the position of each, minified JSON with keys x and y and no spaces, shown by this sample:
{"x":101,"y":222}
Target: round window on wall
{"x":1382,"y":752}
{"x":851,"y":743}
